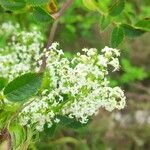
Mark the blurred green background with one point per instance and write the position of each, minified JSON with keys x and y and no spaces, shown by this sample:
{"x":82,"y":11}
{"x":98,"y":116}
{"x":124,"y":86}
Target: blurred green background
{"x":128,"y":129}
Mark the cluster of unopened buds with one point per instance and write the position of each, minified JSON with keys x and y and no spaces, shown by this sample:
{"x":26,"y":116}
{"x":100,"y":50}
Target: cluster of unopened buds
{"x":76,"y":88}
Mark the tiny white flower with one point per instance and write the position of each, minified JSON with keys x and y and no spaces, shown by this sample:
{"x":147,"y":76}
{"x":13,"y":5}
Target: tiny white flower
{"x":115,"y":63}
{"x":102,"y":61}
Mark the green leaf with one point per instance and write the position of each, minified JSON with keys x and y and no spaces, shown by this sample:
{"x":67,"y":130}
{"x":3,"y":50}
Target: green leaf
{"x":18,"y":134}
{"x":37,"y":2}
{"x":13,"y":5}
{"x":46,"y":81}
{"x":90,"y":4}
{"x":23,"y":87}
{"x":117,"y":8}
{"x":104,"y":22}
{"x":131,"y":31}
{"x":117,"y":36}
{"x":77,"y":125}
{"x":2,"y":41}
{"x":144,"y":24}
{"x":41,"y":15}
{"x":3,"y":83}
{"x":64,"y":120}
{"x":70,"y":123}
{"x":50,"y":132}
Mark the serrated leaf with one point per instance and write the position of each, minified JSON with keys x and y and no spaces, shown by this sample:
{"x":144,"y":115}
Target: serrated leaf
{"x":12,"y":5}
{"x":117,"y":8}
{"x":3,"y":83}
{"x":144,"y":24}
{"x":117,"y":36}
{"x":131,"y":31}
{"x":104,"y":22}
{"x":23,"y":87}
{"x":41,"y":15}
{"x":37,"y":2}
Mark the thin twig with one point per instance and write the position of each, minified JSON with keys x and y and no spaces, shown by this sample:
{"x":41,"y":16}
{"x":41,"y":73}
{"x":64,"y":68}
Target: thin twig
{"x":52,"y":34}
{"x":56,"y":16}
{"x":61,"y":12}
{"x":49,"y":43}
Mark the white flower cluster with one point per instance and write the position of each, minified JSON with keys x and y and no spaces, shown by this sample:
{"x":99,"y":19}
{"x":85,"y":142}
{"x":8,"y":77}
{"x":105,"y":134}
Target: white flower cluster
{"x":37,"y":114}
{"x":76,"y":87}
{"x":21,"y":53}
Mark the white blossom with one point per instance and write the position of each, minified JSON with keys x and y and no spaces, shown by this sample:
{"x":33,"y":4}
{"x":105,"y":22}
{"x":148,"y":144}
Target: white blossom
{"x":76,"y":88}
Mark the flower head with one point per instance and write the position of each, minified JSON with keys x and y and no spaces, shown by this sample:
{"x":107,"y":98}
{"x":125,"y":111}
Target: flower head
{"x":76,"y":88}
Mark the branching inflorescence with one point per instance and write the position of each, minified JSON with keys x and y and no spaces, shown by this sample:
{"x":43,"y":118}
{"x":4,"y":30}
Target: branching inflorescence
{"x":76,"y":88}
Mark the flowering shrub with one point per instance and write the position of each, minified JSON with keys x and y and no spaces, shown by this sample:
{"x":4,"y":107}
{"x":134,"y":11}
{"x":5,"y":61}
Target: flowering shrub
{"x":40,"y":88}
{"x":75,"y":88}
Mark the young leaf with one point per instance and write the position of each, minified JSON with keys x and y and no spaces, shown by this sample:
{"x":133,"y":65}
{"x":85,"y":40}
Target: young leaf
{"x":23,"y":87}
{"x":117,"y":36}
{"x":117,"y":8}
{"x":144,"y":24}
{"x":3,"y":83}
{"x":13,"y":5}
{"x":131,"y":31}
{"x":104,"y":22}
{"x":90,"y":4}
{"x":41,"y":15}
